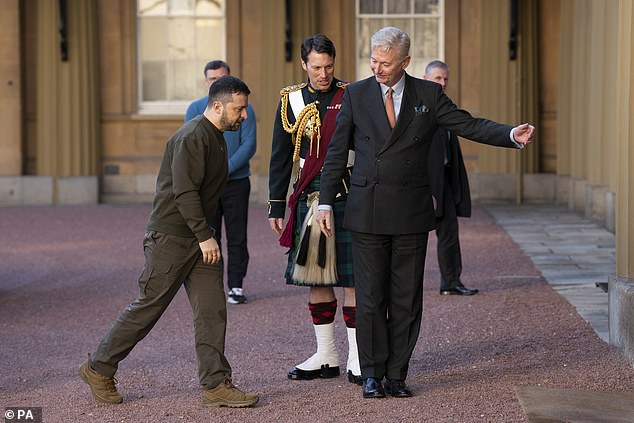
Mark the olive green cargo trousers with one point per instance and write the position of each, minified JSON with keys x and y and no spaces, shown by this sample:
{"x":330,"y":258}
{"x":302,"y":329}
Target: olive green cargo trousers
{"x":171,"y":261}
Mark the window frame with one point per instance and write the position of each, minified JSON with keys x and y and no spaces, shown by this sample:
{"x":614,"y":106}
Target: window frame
{"x":174,"y":107}
{"x":362,"y":70}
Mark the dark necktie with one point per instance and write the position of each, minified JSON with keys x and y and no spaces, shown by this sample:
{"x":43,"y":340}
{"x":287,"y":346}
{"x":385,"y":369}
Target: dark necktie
{"x":389,"y":108}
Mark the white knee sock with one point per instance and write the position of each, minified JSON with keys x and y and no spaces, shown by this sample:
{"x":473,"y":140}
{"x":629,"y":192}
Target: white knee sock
{"x":353,"y":352}
{"x":326,"y":349}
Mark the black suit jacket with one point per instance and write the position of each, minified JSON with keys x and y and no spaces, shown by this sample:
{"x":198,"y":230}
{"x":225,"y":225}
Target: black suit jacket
{"x":390,"y":190}
{"x":453,"y":173}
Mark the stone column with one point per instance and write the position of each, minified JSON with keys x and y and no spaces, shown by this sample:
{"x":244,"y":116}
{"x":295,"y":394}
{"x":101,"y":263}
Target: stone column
{"x":621,"y":287}
{"x":67,"y":97}
{"x":564,"y":107}
{"x":509,"y":91}
{"x":10,"y":90}
{"x":499,"y":84}
{"x":267,"y":72}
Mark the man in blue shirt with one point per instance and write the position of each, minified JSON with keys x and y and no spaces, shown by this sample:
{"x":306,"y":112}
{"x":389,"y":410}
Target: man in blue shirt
{"x":234,"y":202}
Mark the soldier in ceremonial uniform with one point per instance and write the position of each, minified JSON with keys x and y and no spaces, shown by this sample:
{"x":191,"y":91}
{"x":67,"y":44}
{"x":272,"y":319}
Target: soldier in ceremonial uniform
{"x":304,"y":124}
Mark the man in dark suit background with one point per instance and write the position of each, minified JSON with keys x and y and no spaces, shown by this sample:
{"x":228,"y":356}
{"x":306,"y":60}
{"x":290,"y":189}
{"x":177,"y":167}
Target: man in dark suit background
{"x":389,"y":120}
{"x":450,"y":186}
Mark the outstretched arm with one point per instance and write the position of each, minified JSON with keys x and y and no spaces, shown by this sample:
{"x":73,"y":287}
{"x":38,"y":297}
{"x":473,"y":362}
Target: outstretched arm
{"x":524,"y":134}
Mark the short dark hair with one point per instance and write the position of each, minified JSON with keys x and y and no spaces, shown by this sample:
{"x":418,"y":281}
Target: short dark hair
{"x":320,"y":44}
{"x":223,"y":89}
{"x":216,"y":64}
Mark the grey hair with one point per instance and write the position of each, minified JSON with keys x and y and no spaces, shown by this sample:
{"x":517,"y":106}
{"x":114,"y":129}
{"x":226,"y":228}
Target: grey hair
{"x":436,"y":64}
{"x":390,"y":37}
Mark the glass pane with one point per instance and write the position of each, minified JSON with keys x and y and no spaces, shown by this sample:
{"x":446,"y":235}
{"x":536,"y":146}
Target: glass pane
{"x":371,"y":6}
{"x":174,"y":47}
{"x":208,"y":40}
{"x":200,"y":89}
{"x":184,"y":80}
{"x":209,"y":7}
{"x":426,"y":6}
{"x":180,"y":7}
{"x":152,"y":7}
{"x":153,"y":80}
{"x":402,"y":24}
{"x":398,"y":6}
{"x":153,"y":38}
{"x":425,"y":41}
{"x":367,"y":27}
{"x":423,"y":31}
{"x":181,"y":38}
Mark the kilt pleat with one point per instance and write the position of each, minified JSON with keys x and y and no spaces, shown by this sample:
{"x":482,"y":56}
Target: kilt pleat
{"x":343,"y":240}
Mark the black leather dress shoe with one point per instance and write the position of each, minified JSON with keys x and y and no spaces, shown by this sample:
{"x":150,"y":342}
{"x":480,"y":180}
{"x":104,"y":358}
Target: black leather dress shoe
{"x":325,"y":372}
{"x":354,"y":379}
{"x":372,"y":388}
{"x":397,"y":388}
{"x":459,"y":290}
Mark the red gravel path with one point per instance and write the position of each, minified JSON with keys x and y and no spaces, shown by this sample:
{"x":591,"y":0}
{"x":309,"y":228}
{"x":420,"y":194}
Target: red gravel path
{"x":66,"y":273}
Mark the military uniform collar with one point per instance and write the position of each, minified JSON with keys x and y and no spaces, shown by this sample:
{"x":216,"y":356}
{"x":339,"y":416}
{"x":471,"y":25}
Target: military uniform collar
{"x":333,"y":85}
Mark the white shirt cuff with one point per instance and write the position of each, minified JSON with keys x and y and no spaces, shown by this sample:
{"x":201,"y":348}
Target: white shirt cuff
{"x":517,"y":144}
{"x":324,"y":207}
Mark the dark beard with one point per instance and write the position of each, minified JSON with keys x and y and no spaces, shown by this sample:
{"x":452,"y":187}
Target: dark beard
{"x":226,"y":124}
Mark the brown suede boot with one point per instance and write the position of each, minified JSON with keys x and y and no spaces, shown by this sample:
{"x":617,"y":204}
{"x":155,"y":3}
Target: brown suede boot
{"x":227,"y":395}
{"x":102,"y":387}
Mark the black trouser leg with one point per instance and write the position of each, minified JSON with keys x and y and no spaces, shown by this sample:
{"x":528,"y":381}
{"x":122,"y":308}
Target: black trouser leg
{"x":234,"y":208}
{"x":388,"y":283}
{"x":448,"y":247}
{"x":405,"y":308}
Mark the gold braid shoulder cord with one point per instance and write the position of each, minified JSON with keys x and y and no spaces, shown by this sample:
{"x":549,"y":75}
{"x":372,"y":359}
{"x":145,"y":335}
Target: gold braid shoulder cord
{"x":308,"y":118}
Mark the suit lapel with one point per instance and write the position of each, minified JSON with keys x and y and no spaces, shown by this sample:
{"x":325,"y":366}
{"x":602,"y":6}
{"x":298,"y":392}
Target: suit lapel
{"x":377,"y":109}
{"x":405,"y":115}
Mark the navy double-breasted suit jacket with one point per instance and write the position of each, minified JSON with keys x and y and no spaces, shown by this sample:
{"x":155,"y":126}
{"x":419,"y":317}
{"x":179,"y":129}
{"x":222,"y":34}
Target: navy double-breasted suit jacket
{"x":390,"y":189}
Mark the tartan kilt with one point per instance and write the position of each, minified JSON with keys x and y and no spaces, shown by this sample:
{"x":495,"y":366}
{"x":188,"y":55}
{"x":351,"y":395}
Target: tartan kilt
{"x":343,"y":239}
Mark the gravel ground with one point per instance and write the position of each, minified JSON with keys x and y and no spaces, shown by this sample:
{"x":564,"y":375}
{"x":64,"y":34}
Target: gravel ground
{"x":66,"y":273}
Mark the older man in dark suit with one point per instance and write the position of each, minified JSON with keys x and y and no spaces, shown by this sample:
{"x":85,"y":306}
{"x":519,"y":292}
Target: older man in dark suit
{"x":389,"y":120}
{"x":450,"y":186}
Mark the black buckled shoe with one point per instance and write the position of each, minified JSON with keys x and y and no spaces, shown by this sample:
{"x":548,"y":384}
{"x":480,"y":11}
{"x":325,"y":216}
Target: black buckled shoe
{"x":325,"y":372}
{"x":397,"y":388}
{"x":354,"y":379}
{"x":372,"y":388}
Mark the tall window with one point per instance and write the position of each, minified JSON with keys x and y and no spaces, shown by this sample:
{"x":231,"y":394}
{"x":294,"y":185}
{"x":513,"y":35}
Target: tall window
{"x":421,"y":19}
{"x":176,"y":39}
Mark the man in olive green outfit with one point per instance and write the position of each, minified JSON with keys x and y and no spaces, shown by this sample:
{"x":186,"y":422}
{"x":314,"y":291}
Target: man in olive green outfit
{"x":180,"y":249}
